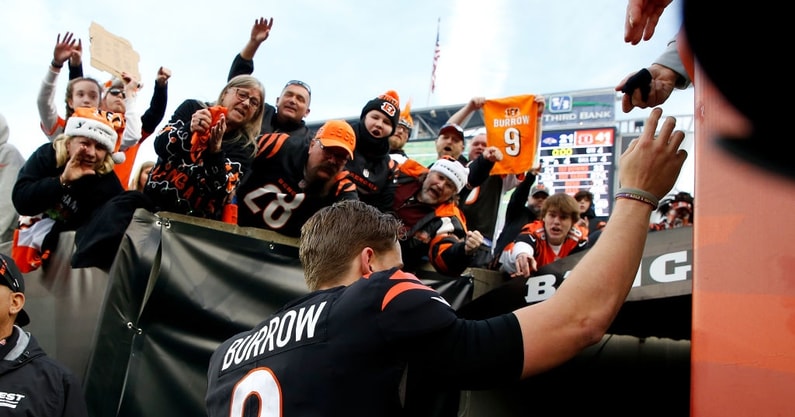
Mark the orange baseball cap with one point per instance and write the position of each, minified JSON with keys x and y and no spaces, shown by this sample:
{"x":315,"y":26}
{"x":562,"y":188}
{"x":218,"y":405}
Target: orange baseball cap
{"x":337,"y":133}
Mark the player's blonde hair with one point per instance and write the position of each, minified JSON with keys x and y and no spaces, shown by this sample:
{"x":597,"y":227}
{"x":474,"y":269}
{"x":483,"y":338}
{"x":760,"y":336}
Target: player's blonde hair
{"x":335,"y":235}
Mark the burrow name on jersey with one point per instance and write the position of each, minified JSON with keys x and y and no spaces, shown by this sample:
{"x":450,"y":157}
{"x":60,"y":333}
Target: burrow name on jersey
{"x":289,"y":327}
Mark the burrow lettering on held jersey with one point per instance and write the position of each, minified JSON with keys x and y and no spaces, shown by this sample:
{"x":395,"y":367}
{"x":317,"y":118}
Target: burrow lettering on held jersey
{"x":512,"y":121}
{"x":289,"y":327}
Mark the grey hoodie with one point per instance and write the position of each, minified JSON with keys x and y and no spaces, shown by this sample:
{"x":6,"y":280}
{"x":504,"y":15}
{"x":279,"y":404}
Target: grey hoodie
{"x":11,"y":160}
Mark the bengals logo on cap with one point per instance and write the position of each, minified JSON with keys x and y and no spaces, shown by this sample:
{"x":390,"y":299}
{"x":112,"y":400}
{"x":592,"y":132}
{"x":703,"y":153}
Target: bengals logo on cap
{"x":388,"y":108}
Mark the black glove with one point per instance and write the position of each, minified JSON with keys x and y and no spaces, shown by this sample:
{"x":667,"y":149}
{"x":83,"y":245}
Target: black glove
{"x":642,"y":80}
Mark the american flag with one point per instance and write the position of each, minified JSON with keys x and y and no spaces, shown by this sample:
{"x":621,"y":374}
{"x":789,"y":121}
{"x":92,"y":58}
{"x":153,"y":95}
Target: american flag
{"x":436,"y":53}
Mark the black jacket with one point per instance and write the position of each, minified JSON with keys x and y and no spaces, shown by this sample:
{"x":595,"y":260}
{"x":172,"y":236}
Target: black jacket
{"x":33,"y":384}
{"x":38,"y":190}
{"x":270,"y":123}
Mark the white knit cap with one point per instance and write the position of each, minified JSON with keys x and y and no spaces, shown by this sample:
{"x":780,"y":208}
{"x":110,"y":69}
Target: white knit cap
{"x":453,"y":170}
{"x":95,"y":124}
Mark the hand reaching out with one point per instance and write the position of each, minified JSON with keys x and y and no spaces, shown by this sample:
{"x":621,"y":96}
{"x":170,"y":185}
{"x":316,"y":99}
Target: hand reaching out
{"x":65,"y":48}
{"x":476,"y":102}
{"x":525,"y":265}
{"x":131,"y":84}
{"x":641,"y":19}
{"x":261,"y":29}
{"x":163,"y":74}
{"x":472,"y":241}
{"x":542,"y":104}
{"x":76,"y":58}
{"x":217,"y":135}
{"x":647,"y":87}
{"x":492,"y":154}
{"x":653,"y":163}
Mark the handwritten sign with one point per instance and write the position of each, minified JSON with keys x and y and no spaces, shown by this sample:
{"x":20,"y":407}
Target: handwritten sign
{"x":112,"y":53}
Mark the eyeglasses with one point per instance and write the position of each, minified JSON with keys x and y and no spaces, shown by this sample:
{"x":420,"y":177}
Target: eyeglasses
{"x":117,"y":92}
{"x":243,"y":95}
{"x":339,"y":157}
{"x":301,"y":83}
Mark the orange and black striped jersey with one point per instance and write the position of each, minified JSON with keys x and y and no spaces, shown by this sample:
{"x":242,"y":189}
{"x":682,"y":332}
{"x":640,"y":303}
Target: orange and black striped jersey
{"x":275,"y":195}
{"x":534,"y":235}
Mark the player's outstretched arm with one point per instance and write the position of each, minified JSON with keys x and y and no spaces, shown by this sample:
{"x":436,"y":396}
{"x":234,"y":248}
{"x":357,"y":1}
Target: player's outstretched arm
{"x":585,"y":304}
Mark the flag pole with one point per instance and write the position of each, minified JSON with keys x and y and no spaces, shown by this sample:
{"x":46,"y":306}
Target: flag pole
{"x":436,"y":53}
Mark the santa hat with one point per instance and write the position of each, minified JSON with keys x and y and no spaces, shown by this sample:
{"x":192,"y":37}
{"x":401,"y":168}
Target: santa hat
{"x":453,"y":170}
{"x":405,"y":117}
{"x":387,"y":103}
{"x":95,"y":124}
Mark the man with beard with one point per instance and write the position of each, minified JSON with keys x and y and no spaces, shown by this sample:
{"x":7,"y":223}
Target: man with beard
{"x":426,"y":202}
{"x":292,"y":178}
{"x":402,"y":132}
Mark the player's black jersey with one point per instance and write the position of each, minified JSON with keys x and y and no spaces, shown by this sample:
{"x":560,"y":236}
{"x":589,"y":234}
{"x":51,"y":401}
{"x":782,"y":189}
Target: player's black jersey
{"x":272,"y":197}
{"x":343,"y":351}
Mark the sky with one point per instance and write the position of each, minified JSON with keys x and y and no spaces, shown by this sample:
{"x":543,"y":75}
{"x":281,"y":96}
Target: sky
{"x":347,"y":51}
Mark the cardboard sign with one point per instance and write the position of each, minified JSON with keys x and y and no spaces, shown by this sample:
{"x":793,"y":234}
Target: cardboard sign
{"x":112,"y":53}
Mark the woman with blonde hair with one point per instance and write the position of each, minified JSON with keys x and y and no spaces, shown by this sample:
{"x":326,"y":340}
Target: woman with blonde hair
{"x":206,"y":149}
{"x":63,"y":183}
{"x":138,"y":181}
{"x":202,"y":154}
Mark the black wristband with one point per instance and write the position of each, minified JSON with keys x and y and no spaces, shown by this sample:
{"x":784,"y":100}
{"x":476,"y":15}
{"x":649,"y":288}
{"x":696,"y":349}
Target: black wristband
{"x":54,"y":65}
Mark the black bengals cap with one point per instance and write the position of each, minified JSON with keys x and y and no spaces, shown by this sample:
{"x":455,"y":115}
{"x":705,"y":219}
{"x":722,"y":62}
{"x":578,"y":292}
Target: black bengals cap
{"x":12,"y":278}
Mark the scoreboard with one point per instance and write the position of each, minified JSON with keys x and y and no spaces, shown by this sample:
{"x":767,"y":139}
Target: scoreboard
{"x":579,"y":159}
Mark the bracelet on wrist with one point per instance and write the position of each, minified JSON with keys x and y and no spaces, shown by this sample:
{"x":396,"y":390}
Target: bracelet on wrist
{"x":638,"y":195}
{"x":64,"y":184}
{"x":55,"y":64}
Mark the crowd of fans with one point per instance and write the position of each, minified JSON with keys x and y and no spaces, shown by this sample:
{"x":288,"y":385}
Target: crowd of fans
{"x":241,"y":150}
{"x":264,"y":159}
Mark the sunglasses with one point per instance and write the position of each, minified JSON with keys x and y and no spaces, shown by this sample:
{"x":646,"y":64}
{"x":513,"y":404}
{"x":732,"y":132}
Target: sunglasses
{"x":117,"y":92}
{"x":301,"y":83}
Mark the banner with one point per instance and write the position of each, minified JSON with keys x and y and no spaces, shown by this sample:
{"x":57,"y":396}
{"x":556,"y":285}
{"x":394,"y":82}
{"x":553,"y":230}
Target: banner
{"x":141,"y":335}
{"x":658,"y":305}
{"x":179,"y":287}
